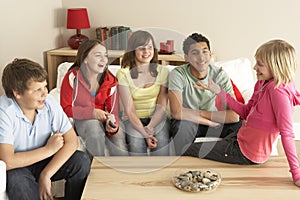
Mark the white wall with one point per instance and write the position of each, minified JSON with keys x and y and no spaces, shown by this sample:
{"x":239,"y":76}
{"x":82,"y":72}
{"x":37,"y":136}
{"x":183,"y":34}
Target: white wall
{"x":235,"y":28}
{"x":28,"y":29}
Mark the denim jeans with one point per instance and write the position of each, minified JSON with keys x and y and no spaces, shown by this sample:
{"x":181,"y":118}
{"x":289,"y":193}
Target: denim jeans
{"x":137,"y":144}
{"x":95,"y":139}
{"x":22,"y":183}
{"x":185,"y":132}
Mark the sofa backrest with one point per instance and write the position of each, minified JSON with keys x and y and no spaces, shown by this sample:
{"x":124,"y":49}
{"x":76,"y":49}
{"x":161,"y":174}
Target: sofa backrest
{"x":62,"y":69}
{"x":239,"y":70}
{"x":241,"y":73}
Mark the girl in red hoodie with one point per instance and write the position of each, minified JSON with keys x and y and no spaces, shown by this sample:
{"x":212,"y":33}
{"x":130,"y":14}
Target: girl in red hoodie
{"x":89,"y":95}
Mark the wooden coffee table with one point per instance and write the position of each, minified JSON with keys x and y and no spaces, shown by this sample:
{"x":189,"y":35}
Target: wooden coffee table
{"x":142,"y":178}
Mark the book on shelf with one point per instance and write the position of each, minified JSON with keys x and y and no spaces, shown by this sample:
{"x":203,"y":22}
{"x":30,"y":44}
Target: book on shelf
{"x":115,"y":37}
{"x":103,"y":34}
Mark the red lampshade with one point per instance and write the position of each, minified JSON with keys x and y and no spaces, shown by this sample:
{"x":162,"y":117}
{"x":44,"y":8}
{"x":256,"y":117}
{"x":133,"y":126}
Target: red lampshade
{"x":77,"y":19}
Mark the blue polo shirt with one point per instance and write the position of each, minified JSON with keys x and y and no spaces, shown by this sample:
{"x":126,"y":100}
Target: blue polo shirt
{"x":17,"y":130}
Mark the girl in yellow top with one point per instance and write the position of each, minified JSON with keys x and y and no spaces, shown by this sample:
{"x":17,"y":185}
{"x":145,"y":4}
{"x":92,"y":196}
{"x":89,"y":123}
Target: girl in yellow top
{"x":144,"y":97}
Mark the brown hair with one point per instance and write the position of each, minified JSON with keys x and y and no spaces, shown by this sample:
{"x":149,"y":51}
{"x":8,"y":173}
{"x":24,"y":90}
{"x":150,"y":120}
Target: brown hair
{"x":19,"y":73}
{"x":139,"y":38}
{"x":83,"y":51}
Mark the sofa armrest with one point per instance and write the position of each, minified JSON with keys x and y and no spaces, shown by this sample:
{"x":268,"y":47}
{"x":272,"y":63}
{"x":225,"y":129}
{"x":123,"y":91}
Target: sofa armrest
{"x":2,"y":180}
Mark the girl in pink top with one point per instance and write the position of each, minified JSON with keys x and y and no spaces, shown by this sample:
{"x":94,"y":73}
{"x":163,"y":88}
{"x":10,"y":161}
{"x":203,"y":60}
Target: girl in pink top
{"x":267,"y":114}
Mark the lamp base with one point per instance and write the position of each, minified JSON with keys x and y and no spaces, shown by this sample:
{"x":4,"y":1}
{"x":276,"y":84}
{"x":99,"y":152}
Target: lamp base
{"x":75,"y":41}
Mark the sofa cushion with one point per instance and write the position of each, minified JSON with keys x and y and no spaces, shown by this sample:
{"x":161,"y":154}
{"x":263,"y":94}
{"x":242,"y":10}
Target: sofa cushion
{"x":2,"y":180}
{"x":241,"y":73}
{"x":61,"y":71}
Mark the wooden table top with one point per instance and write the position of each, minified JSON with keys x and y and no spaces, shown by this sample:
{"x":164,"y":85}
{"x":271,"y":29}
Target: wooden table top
{"x":141,"y":178}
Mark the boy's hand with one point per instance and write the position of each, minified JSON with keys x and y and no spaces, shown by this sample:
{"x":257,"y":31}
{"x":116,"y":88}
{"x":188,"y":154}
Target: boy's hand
{"x":55,"y":142}
{"x":45,"y":188}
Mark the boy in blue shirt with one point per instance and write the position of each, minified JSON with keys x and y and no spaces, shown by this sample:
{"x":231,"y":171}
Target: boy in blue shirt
{"x":37,"y":141}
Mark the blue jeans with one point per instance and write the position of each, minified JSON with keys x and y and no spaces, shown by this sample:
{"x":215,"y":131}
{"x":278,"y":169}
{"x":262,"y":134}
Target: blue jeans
{"x":22,"y":183}
{"x":137,"y":144}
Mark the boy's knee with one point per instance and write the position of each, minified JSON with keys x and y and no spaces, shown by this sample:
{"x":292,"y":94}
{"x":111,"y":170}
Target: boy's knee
{"x":21,"y":182}
{"x":16,"y":176}
{"x":83,"y":163}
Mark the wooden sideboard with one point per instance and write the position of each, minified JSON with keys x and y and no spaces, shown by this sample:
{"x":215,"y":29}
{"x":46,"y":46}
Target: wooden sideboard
{"x":66,"y":54}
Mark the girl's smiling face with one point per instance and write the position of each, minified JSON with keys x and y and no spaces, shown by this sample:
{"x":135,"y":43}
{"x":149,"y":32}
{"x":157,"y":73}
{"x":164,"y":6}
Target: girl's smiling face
{"x":97,"y":59}
{"x":263,"y":72}
{"x":144,"y":54}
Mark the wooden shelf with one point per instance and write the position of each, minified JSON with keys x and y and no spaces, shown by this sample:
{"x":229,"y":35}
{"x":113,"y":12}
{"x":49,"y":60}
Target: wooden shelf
{"x":66,"y":54}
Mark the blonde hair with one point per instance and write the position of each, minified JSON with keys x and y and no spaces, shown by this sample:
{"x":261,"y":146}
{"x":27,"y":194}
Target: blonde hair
{"x":280,"y":57}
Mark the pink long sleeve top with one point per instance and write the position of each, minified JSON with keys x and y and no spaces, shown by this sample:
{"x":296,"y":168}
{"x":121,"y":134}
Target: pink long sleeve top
{"x":267,"y":114}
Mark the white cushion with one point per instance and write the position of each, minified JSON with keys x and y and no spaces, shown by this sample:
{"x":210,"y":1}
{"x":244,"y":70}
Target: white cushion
{"x":170,"y":67}
{"x":2,"y":180}
{"x":2,"y":176}
{"x":61,"y":71}
{"x":3,"y":196}
{"x":114,"y":69}
{"x":241,"y":73}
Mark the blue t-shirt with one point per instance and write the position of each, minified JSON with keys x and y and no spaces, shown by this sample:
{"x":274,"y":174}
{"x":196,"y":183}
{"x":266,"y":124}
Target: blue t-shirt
{"x":17,"y":130}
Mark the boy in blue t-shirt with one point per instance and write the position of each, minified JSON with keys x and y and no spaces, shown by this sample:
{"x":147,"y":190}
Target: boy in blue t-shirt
{"x":37,"y":141}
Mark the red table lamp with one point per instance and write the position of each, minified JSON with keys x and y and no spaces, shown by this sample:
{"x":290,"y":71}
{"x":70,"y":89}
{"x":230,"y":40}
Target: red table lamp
{"x":77,"y":19}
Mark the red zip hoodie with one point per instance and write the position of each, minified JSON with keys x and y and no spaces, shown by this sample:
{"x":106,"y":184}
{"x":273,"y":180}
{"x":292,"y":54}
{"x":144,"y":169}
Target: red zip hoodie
{"x":78,"y":103}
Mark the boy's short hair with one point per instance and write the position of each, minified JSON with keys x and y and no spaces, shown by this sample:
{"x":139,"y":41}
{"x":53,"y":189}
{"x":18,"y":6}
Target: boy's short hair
{"x":19,"y":73}
{"x":193,"y":39}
